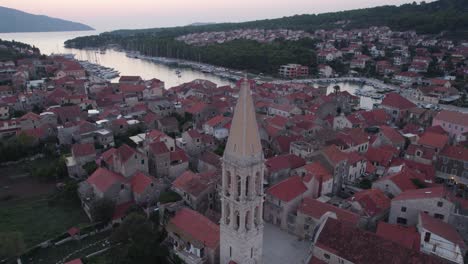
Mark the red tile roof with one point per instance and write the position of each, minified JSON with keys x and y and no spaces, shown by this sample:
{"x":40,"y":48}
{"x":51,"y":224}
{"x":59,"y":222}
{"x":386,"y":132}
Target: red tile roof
{"x":288,"y":189}
{"x":75,"y":261}
{"x":125,"y":152}
{"x":316,"y":169}
{"x":158,"y":148}
{"x":197,"y":227}
{"x":334,"y":154}
{"x":403,"y":235}
{"x":179,"y":155}
{"x":194,"y":183}
{"x":359,"y":246}
{"x":30,"y":116}
{"x":196,"y":108}
{"x":286,"y":161}
{"x":284,"y":142}
{"x":373,"y":201}
{"x":404,"y":179}
{"x":70,"y":113}
{"x":452,"y":117}
{"x":317,"y":209}
{"x":383,"y":156}
{"x":441,"y":229}
{"x":433,"y":140}
{"x":132,"y":88}
{"x":140,"y":182}
{"x":436,"y":129}
{"x":129,"y":78}
{"x":427,"y":193}
{"x":278,"y":121}
{"x":211,"y":158}
{"x":392,"y":134}
{"x":455,"y":152}
{"x":103,"y":178}
{"x":194,"y":133}
{"x":395,"y":100}
{"x":215,"y":120}
{"x":80,"y":150}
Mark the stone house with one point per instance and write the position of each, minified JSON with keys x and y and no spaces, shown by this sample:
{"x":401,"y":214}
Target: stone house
{"x":397,"y":107}
{"x":407,"y":206}
{"x":193,"y":142}
{"x":282,"y":200}
{"x":452,"y":164}
{"x":454,"y":123}
{"x":81,"y":154}
{"x":159,"y":159}
{"x":124,"y":160}
{"x":337,"y":242}
{"x":193,"y":237}
{"x":337,"y":163}
{"x":311,"y":213}
{"x":441,"y":239}
{"x":197,"y":189}
{"x":209,"y":161}
{"x":372,"y":205}
{"x":179,"y":164}
{"x":280,"y":167}
{"x":389,"y":136}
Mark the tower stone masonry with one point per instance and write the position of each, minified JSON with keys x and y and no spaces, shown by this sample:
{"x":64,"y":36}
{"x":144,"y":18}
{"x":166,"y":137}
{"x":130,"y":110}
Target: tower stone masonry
{"x":242,"y":194}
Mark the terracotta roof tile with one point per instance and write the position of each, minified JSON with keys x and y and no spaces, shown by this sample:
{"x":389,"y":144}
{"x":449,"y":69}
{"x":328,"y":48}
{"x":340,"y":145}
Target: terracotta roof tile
{"x":427,"y":193}
{"x":317,"y":209}
{"x":403,"y":235}
{"x":103,"y":178}
{"x":433,"y":140}
{"x":287,"y":161}
{"x":455,"y":152}
{"x":373,"y":201}
{"x":80,"y":150}
{"x":140,"y":182}
{"x":288,"y":189}
{"x":359,"y":246}
{"x":196,"y":227}
{"x":452,"y":117}
{"x":441,"y":229}
{"x":395,"y":100}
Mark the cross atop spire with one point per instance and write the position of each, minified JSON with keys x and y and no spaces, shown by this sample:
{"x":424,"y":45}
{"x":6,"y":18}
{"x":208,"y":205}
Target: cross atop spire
{"x":244,"y":138}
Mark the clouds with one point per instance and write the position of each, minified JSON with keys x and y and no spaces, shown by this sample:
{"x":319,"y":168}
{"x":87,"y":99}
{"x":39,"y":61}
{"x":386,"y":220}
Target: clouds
{"x":113,"y":14}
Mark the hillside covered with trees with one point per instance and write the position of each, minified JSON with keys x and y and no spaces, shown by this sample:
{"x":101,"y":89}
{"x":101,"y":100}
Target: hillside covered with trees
{"x":448,"y":16}
{"x":12,"y":20}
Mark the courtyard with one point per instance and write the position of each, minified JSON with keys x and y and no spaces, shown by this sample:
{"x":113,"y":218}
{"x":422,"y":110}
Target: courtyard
{"x":280,"y":247}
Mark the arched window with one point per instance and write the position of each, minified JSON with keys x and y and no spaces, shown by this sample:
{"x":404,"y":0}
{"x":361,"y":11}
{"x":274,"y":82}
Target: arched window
{"x":258,"y":183}
{"x":256,"y":216}
{"x":247,"y":187}
{"x":237,"y":220}
{"x":227,"y":214}
{"x":239,"y":186}
{"x":228,"y":183}
{"x":247,"y":220}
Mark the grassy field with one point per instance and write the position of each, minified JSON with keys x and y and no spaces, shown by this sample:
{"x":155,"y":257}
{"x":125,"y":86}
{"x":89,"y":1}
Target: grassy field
{"x":37,"y":220}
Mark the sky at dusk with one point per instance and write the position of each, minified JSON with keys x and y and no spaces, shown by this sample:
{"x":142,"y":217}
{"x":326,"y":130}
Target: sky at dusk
{"x":116,"y":14}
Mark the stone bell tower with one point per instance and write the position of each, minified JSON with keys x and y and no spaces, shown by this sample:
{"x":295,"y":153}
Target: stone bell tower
{"x":242,"y":187}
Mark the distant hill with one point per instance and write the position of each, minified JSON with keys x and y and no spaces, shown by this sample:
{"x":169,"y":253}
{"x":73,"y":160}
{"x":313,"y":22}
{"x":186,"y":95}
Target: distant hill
{"x":12,"y":20}
{"x":197,"y":24}
{"x":443,"y":16}
{"x":425,"y":18}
